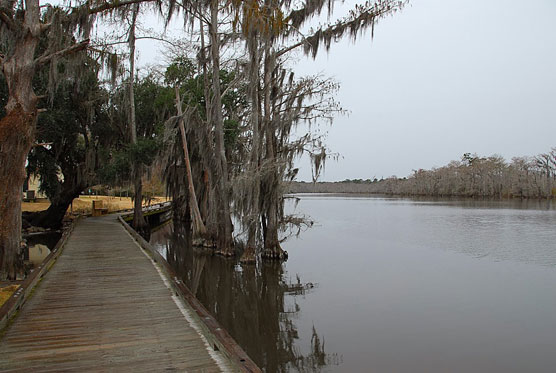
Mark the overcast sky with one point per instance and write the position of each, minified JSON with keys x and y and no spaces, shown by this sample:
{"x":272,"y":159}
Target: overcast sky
{"x":442,"y":78}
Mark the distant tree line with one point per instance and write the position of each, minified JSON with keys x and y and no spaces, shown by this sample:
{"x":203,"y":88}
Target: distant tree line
{"x":472,"y":176}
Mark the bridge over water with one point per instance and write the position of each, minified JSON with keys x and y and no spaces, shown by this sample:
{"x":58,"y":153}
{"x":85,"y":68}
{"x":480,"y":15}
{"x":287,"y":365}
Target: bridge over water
{"x":106,"y":305}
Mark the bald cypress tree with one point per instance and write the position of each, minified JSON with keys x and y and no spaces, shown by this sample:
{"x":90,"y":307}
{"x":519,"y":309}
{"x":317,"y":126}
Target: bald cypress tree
{"x":252,"y":187}
{"x":280,"y":102}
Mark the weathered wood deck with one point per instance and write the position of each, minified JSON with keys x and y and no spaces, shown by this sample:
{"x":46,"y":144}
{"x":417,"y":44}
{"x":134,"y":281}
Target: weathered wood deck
{"x":104,"y":307}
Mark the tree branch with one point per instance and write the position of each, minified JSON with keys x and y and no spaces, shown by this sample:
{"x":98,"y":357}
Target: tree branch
{"x":116,"y":4}
{"x":43,"y":144}
{"x":287,"y":49}
{"x":45,"y":26}
{"x":64,"y":52}
{"x":8,"y":21}
{"x":137,"y":38}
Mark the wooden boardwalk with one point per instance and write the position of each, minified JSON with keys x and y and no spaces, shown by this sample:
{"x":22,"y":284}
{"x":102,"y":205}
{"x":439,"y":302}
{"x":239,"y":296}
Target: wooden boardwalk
{"x":104,"y":307}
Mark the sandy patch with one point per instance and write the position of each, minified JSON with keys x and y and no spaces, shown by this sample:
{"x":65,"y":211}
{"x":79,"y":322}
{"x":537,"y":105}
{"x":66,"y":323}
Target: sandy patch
{"x":6,"y":293}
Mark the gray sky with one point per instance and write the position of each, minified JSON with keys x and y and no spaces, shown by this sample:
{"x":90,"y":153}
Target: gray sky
{"x":442,"y":78}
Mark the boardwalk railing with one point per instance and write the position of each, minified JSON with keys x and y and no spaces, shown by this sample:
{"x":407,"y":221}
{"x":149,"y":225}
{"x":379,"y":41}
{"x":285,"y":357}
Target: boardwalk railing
{"x":156,"y":211}
{"x":10,"y":308}
{"x":218,"y":337}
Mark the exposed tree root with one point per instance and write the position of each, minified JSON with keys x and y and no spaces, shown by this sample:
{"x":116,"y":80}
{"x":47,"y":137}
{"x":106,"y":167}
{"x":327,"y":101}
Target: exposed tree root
{"x":275,"y":253}
{"x":205,"y":243}
{"x":226,"y":252}
{"x":249,"y":256}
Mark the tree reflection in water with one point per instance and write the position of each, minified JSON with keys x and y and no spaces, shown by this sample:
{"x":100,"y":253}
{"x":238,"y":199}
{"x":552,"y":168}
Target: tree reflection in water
{"x":255,"y":304}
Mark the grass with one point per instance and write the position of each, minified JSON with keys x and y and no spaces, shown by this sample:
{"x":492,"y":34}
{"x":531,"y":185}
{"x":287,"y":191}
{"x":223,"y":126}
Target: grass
{"x":6,"y":292}
{"x":83,"y":204}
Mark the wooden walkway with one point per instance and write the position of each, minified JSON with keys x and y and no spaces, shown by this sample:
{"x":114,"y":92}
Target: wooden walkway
{"x":104,"y":307}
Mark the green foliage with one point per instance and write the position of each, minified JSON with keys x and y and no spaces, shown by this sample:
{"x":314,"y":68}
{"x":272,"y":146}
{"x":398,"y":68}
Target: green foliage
{"x":74,"y":124}
{"x":234,"y":101}
{"x":144,"y":151}
{"x":153,"y":104}
{"x":117,"y":169}
{"x":44,"y":162}
{"x":181,"y":70}
{"x":359,"y":181}
{"x":183,"y":73}
{"x":231,"y":133}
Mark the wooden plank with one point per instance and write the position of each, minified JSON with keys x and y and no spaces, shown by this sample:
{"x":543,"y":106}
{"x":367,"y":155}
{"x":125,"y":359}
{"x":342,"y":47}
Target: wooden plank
{"x":217,"y":335}
{"x":10,"y":308}
{"x":104,"y":307}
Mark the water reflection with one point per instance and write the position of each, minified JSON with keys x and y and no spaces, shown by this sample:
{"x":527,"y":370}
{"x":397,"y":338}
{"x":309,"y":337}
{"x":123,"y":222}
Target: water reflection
{"x":257,"y":305}
{"x":39,"y":246}
{"x":456,"y":202}
{"x":403,"y":286}
{"x":37,"y":253}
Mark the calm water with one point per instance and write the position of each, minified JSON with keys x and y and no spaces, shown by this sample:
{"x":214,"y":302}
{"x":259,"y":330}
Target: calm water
{"x":392,"y":285}
{"x":39,"y":246}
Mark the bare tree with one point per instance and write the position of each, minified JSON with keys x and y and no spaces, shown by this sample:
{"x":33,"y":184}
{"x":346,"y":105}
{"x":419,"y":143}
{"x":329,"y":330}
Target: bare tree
{"x":473,"y":176}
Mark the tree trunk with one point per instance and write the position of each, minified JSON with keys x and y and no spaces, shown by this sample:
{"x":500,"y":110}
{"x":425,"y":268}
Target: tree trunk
{"x":139,"y":223}
{"x":249,"y":255}
{"x":54,"y":215}
{"x":225,"y":244}
{"x":204,"y":196}
{"x":180,"y":197}
{"x":272,"y":249}
{"x":16,"y":133}
{"x":208,"y":201}
{"x":16,"y":137}
{"x":198,"y":225}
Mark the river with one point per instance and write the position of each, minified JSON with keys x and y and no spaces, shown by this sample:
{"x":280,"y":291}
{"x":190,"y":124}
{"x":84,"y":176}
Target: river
{"x":392,"y":285}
